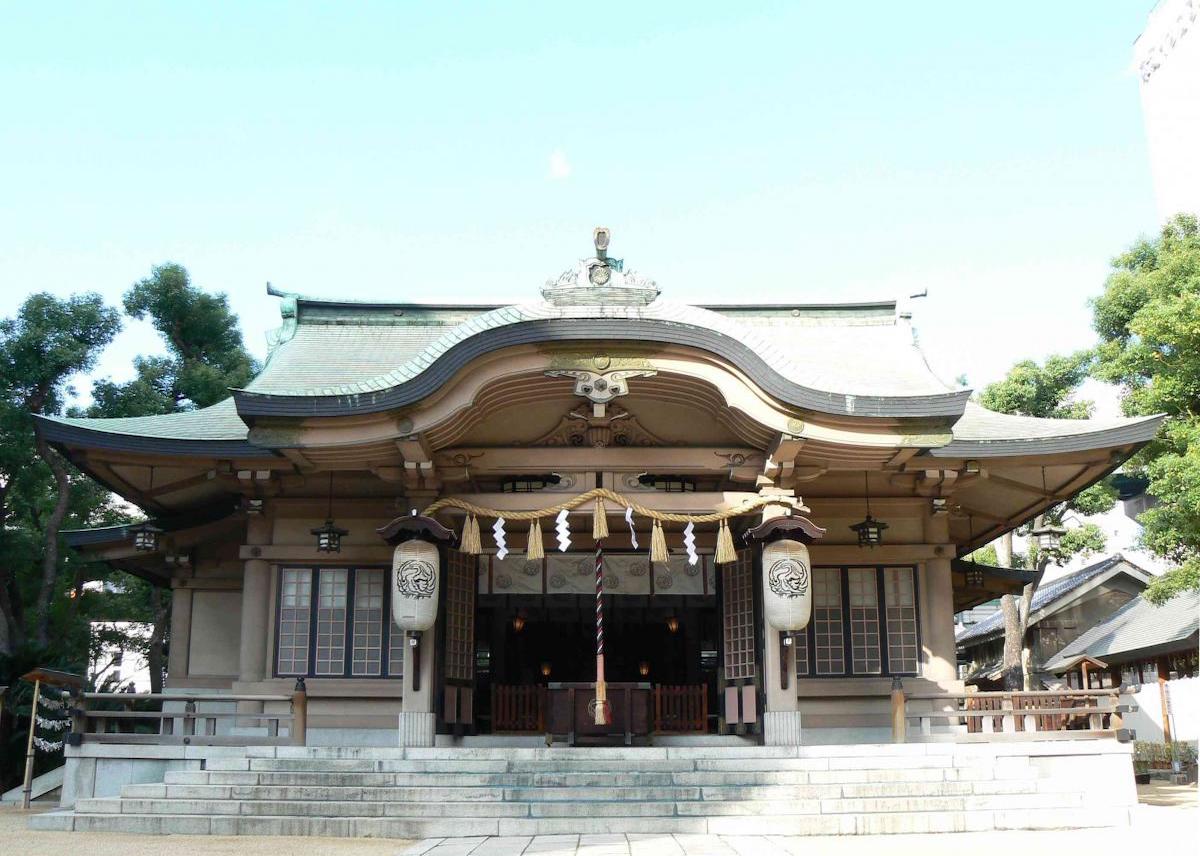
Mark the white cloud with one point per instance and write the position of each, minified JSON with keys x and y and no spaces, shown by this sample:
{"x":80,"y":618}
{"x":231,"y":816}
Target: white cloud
{"x":560,"y":167}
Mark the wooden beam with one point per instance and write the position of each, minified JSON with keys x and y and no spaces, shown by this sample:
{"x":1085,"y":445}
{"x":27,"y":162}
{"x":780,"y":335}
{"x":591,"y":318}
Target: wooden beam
{"x":675,"y":459}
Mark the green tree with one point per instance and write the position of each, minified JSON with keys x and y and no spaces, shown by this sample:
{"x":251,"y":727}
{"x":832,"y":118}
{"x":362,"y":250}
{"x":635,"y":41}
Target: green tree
{"x":42,"y":348}
{"x":205,"y":352}
{"x":1046,"y":391}
{"x":1148,"y":319}
{"x":205,"y":357}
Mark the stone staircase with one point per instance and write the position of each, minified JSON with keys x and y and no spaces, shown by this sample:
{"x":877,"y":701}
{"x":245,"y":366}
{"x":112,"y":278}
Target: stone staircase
{"x":422,"y":793}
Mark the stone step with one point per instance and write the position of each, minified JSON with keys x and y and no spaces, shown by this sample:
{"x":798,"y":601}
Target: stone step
{"x":761,"y":824}
{"x":597,"y":794}
{"x":304,"y":807}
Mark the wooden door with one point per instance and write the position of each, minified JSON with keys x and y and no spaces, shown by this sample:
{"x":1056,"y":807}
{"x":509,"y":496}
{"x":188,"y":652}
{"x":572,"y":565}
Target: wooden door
{"x":740,"y":671}
{"x":458,"y":645}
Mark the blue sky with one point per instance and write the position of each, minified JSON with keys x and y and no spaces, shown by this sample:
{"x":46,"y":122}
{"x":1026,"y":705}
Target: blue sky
{"x":992,"y":153}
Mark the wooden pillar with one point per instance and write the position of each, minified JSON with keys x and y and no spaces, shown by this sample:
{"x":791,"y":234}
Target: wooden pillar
{"x":1164,"y":675}
{"x":181,"y":632}
{"x":33,"y":715}
{"x":256,"y":614}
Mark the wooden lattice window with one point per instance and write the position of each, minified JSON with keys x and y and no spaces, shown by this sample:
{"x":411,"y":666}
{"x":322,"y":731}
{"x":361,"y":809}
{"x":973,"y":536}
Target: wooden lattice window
{"x":331,"y":621}
{"x":901,"y":604}
{"x":864,"y":621}
{"x":800,"y":652}
{"x":738,"y":596}
{"x":460,"y":616}
{"x":295,"y":602}
{"x":368,"y":623}
{"x":827,"y":621}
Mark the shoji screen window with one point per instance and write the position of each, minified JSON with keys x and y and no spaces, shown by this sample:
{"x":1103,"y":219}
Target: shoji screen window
{"x":331,"y":621}
{"x":367,"y":656}
{"x":827,"y":621}
{"x":901,"y":604}
{"x":295,"y":603}
{"x":864,"y":622}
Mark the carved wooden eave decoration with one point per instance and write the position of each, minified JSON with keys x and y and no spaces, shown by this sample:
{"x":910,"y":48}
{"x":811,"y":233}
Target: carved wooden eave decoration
{"x":616,"y":427}
{"x":411,"y":526}
{"x":790,"y":526}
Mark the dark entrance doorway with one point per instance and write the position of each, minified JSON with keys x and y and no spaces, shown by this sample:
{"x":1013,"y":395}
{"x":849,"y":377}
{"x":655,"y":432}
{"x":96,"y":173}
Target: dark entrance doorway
{"x":524,"y":643}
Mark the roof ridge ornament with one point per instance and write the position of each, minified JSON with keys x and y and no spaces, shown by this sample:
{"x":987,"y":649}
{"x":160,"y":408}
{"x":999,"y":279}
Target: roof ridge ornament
{"x":600,"y":281}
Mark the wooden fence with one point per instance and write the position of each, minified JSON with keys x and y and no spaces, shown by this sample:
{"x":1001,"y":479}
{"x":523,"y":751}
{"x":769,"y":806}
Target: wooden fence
{"x":1015,"y":715}
{"x":681,"y":709}
{"x":517,"y":709}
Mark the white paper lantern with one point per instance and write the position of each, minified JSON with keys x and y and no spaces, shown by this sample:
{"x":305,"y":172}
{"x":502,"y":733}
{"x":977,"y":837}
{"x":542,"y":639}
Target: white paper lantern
{"x":415,"y":566}
{"x":787,"y":585}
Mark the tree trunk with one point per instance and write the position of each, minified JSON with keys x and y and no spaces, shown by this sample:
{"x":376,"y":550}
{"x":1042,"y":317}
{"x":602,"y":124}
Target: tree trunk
{"x":1004,"y":550}
{"x":156,"y":655}
{"x":62,"y":483}
{"x":12,"y":624}
{"x":1013,"y":678}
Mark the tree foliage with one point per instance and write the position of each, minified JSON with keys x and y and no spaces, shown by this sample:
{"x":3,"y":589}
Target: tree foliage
{"x":205,"y":352}
{"x":42,"y":348}
{"x":1048,"y":391}
{"x":45,"y":610}
{"x":1148,"y":319}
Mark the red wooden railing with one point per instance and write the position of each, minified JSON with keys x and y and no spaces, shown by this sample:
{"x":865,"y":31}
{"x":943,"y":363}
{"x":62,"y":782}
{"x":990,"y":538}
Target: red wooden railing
{"x":681,"y":709}
{"x":518,"y":708}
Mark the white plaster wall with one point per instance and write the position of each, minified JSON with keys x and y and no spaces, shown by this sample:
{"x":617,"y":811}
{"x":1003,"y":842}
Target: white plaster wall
{"x":1184,"y":700}
{"x":216,"y":633}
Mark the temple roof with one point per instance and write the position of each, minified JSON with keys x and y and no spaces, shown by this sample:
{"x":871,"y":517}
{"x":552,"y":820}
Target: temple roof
{"x":338,"y":357}
{"x":1053,"y":594}
{"x":1137,"y":628}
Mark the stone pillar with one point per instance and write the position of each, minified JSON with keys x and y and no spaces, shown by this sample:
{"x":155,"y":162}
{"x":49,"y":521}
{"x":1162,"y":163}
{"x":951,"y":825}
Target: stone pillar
{"x":181,"y":633}
{"x":417,"y":718}
{"x":781,"y":716}
{"x":256,"y":611}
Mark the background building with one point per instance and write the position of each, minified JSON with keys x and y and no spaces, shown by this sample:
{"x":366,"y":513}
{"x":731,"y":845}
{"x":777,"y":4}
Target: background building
{"x":1167,"y":59}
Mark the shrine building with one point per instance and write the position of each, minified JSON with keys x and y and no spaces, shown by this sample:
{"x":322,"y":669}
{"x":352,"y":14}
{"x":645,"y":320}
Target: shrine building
{"x":481,"y":460}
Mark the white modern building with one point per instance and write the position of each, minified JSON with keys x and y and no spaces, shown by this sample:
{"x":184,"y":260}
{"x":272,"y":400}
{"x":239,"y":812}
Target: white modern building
{"x":1167,"y":61}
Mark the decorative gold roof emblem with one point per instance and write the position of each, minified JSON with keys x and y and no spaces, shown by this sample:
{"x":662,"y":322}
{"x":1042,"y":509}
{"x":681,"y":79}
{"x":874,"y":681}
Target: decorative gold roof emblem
{"x":600,"y":281}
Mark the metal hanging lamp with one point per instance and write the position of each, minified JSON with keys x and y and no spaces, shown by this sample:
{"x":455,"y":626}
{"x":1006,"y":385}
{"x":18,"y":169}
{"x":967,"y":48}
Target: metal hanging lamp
{"x":870,"y":530}
{"x":329,"y":536}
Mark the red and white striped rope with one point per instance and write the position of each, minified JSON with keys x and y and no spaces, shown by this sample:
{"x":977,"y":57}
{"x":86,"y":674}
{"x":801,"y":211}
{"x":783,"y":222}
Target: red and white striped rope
{"x":599,"y":601}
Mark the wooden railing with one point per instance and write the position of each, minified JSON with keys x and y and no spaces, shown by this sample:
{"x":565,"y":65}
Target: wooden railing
{"x":1010,"y":715}
{"x":180,"y":718}
{"x":681,"y":709}
{"x":518,"y":708}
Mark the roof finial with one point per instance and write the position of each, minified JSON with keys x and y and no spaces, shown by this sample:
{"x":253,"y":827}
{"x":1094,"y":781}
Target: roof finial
{"x":600,"y":237}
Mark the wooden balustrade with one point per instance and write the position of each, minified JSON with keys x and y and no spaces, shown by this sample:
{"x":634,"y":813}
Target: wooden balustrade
{"x":1012,"y":715}
{"x":681,"y":709}
{"x":174,"y":718}
{"x":518,"y":708}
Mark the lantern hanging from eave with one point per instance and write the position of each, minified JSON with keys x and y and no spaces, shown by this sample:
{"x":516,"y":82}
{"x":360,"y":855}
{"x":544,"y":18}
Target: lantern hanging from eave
{"x":786,"y":570}
{"x":787,"y":585}
{"x":416,"y":567}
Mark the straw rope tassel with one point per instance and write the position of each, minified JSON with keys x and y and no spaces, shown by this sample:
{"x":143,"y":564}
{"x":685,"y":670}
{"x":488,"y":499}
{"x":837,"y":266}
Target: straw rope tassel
{"x":725,"y":549}
{"x":599,"y":521}
{"x":533,"y":546}
{"x":658,"y":544}
{"x":470,"y":543}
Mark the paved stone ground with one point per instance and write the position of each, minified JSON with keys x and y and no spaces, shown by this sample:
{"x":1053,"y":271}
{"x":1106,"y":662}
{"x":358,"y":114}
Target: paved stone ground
{"x":1167,"y":819}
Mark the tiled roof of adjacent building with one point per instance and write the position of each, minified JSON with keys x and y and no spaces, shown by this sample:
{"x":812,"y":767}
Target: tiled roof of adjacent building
{"x":1136,"y":627}
{"x":1048,"y":594}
